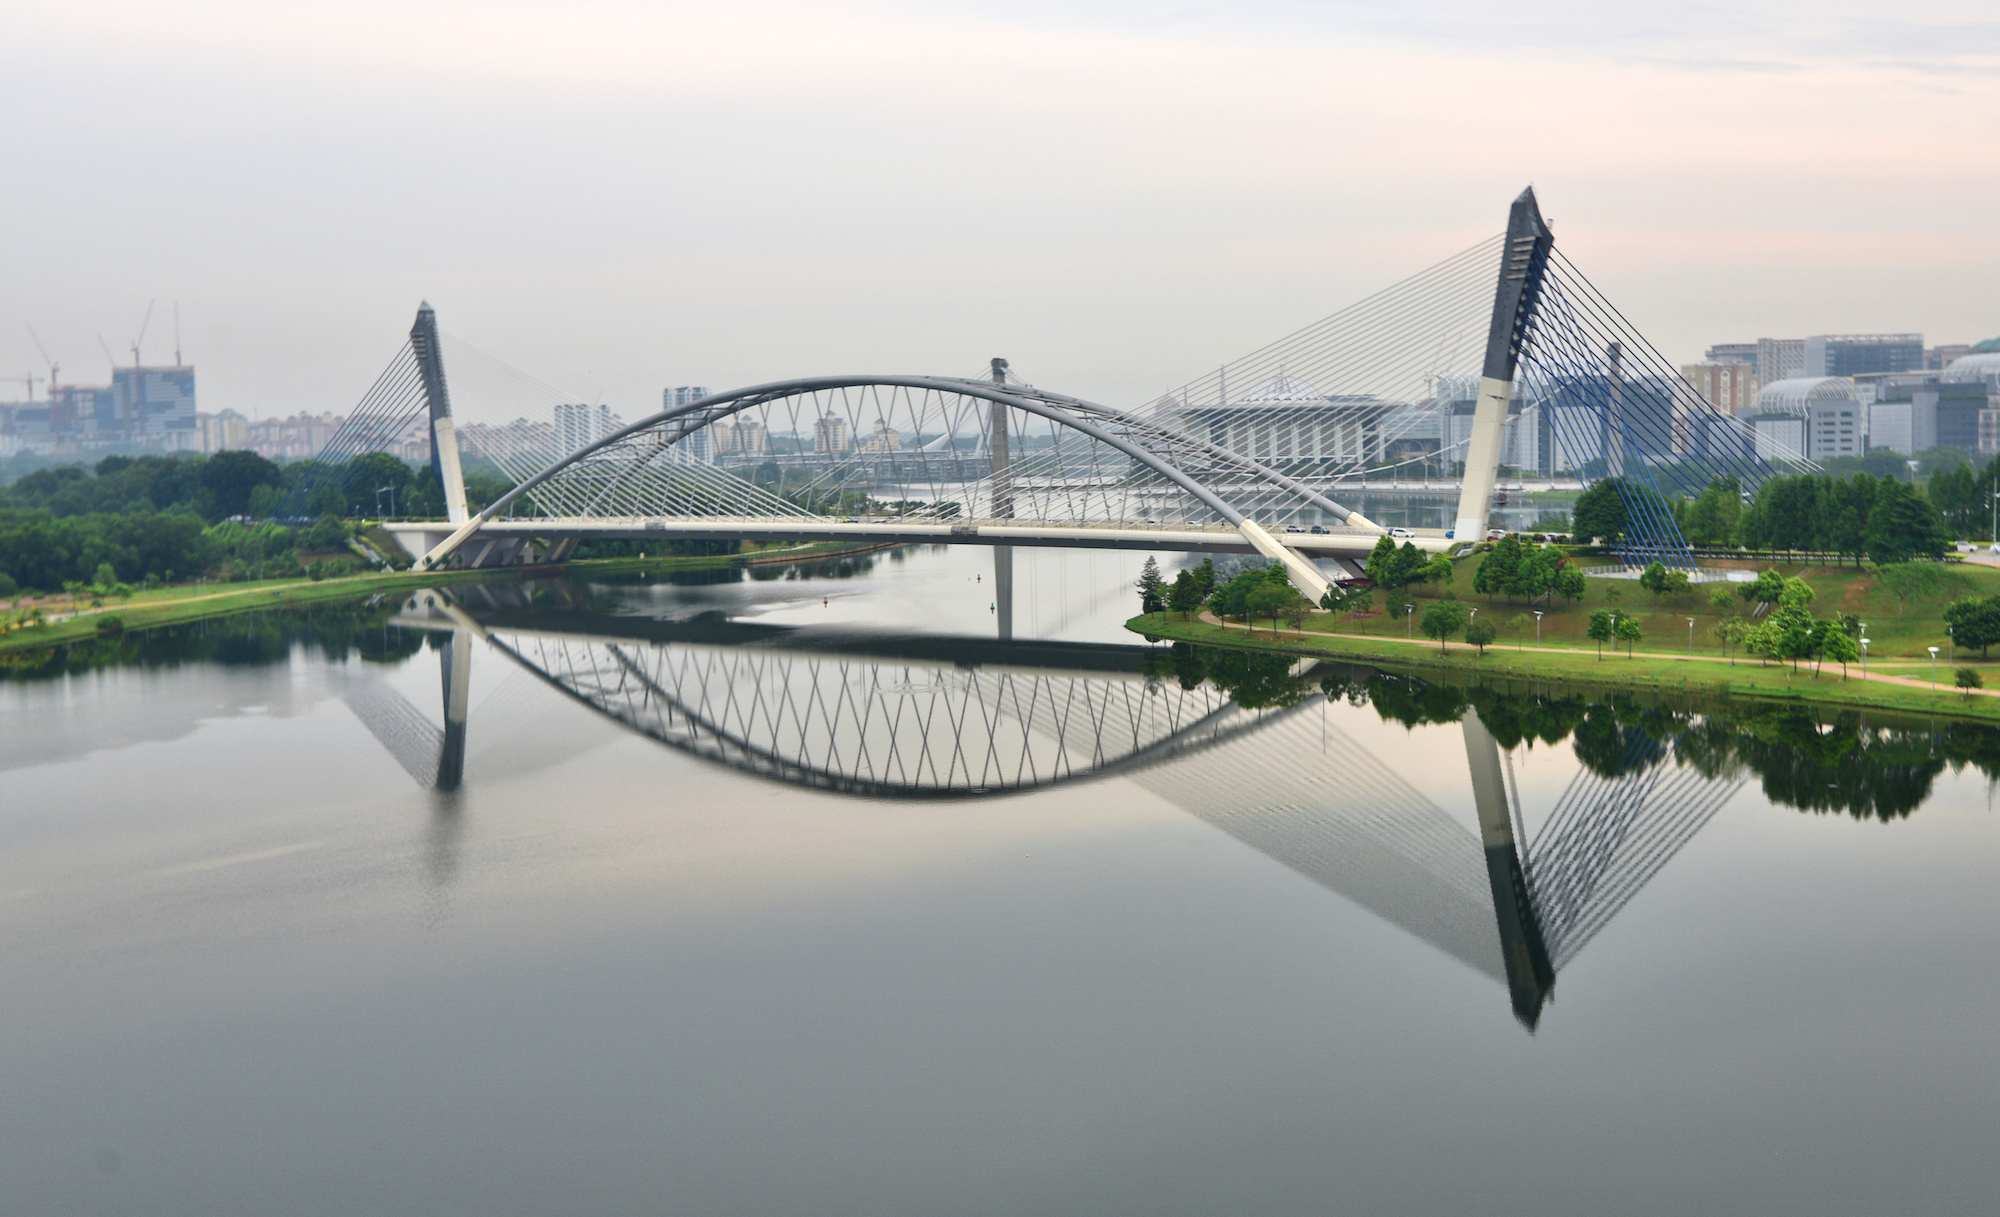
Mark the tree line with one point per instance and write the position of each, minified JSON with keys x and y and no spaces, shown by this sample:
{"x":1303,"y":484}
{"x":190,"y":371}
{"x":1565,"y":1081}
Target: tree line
{"x":1880,"y":519}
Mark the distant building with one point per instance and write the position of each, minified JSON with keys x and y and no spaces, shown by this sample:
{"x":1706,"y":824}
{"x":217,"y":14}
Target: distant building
{"x":1286,"y":423}
{"x":830,"y":434}
{"x":1938,"y":358}
{"x":1733,"y":352}
{"x":578,"y":425}
{"x":223,"y":431}
{"x":884,"y":439}
{"x":742,"y":437}
{"x":1730,"y":385}
{"x":1833,"y":419}
{"x":295,"y":438}
{"x":1780,"y":359}
{"x":698,"y":446}
{"x":1861,"y":354}
{"x":155,"y":406}
{"x":1932,"y":409}
{"x":1778,"y":436}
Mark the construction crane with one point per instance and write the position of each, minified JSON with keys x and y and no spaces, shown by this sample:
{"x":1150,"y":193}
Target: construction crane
{"x":54,"y":367}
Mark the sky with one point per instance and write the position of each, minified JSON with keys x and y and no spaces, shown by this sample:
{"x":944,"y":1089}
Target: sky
{"x":617,"y":197}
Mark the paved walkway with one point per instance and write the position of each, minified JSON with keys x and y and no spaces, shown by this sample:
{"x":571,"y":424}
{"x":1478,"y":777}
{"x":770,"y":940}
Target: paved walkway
{"x":1683,"y":657}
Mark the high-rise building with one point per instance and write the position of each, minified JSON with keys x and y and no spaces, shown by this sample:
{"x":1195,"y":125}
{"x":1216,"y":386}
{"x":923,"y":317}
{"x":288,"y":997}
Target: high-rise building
{"x":1780,"y":359}
{"x":1733,"y":352}
{"x":885,"y":439}
{"x":697,"y":446}
{"x":1940,"y":357}
{"x":830,"y":434}
{"x":1728,"y":385}
{"x":578,"y":425}
{"x":1863,"y":354}
{"x":155,"y":405}
{"x":223,"y":431}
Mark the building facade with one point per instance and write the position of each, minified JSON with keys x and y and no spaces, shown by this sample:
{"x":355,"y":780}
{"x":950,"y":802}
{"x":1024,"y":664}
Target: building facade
{"x":1863,"y":354}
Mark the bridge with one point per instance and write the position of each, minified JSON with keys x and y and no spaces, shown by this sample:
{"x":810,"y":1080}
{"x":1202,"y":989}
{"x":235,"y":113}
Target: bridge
{"x":1501,"y":355}
{"x":965,"y":720}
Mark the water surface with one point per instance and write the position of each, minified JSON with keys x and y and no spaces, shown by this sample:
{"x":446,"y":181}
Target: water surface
{"x":808,"y":894}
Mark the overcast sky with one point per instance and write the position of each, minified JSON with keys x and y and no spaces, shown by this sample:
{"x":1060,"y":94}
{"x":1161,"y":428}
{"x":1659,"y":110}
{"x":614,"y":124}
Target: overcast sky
{"x":615,"y":197}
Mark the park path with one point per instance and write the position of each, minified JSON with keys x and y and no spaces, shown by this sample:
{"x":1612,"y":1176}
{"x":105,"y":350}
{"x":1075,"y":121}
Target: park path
{"x":1681,"y":657}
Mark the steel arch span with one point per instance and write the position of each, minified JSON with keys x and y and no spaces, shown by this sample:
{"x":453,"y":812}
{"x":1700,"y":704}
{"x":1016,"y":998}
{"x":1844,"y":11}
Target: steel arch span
{"x":921,"y":458}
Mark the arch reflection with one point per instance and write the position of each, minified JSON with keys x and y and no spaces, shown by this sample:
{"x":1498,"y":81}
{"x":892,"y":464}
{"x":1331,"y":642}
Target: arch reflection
{"x":1239,"y":743}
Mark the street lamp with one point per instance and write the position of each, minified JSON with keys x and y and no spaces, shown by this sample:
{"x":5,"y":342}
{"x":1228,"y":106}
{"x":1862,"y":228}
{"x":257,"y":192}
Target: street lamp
{"x":1864,"y":659}
{"x":1538,"y":627}
{"x":1409,"y":611}
{"x":1933,"y":651}
{"x":1951,"y":640}
{"x":1690,"y":637}
{"x":1993,"y":533}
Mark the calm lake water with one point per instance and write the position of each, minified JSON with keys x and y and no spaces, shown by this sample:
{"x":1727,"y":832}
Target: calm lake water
{"x":809,"y":895}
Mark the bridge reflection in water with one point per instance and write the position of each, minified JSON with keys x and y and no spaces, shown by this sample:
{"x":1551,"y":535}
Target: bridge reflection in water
{"x":952,"y":718}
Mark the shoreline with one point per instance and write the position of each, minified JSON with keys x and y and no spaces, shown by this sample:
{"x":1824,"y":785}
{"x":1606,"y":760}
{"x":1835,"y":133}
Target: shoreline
{"x":1649,"y":672}
{"x":229,"y":600}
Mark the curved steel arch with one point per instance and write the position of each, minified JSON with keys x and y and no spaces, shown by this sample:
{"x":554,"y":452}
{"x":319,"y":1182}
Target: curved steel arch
{"x":1073,"y":412}
{"x":707,"y":738}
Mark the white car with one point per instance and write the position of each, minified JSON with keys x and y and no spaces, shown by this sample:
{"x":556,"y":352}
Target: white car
{"x":1401,"y":532}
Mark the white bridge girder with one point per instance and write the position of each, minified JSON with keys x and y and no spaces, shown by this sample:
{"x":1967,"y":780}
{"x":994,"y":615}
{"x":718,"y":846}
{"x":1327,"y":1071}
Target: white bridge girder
{"x":509,"y":538}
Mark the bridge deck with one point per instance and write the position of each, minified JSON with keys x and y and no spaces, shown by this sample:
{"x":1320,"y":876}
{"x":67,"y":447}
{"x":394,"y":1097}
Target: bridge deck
{"x":1189,"y":538}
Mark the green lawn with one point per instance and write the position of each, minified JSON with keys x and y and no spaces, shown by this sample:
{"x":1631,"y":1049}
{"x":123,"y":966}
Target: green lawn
{"x":1895,"y":630}
{"x":1666,"y":675}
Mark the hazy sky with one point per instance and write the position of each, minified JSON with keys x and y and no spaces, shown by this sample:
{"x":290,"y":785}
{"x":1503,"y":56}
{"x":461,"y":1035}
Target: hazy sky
{"x":1117,"y":196}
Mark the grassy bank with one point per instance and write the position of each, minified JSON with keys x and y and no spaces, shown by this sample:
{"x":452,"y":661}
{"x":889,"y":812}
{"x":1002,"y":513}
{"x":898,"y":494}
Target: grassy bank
{"x":1549,"y":663}
{"x":190,"y":602}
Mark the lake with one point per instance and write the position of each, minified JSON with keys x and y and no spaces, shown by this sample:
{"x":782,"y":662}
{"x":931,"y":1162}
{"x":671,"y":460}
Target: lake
{"x":808,"y":893}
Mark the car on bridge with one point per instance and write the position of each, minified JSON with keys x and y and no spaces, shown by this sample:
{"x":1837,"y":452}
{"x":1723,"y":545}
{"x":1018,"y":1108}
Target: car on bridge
{"x":1293,"y":528}
{"x":1401,"y":532}
{"x":1321,"y":530}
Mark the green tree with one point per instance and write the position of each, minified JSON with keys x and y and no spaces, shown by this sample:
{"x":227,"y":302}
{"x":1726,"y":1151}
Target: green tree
{"x":1600,"y":513}
{"x":1721,"y":599}
{"x":1903,"y":525}
{"x":1712,"y":518}
{"x":1602,"y":629}
{"x":1498,"y":568}
{"x":1184,"y":597}
{"x":231,"y":477}
{"x":1840,"y":647}
{"x":325,"y":535}
{"x":1569,"y":582}
{"x":1480,"y":633}
{"x":1974,"y":621}
{"x":1152,"y":588}
{"x":1676,"y":583}
{"x":1654,"y":579}
{"x":1629,"y":633}
{"x":1968,"y":680}
{"x":1439,"y":570}
{"x":1204,"y":577}
{"x":1765,"y":589}
{"x":1442,"y":620}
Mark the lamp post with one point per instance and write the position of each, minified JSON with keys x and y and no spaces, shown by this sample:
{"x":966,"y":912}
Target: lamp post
{"x":1409,"y":612}
{"x":1933,"y":651}
{"x":1951,"y":640}
{"x":1538,"y":627}
{"x":1690,"y":637}
{"x":1864,"y":659}
{"x":1993,"y":533}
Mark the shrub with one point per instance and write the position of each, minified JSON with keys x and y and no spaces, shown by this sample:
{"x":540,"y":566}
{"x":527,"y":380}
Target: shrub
{"x":110,"y":625}
{"x":1969,"y":679}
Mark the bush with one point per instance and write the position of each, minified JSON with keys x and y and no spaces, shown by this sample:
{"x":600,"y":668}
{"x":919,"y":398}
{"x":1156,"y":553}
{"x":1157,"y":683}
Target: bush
{"x":1969,"y":679}
{"x":110,"y":625}
{"x":7,"y":585}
